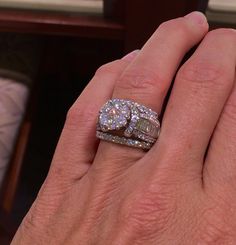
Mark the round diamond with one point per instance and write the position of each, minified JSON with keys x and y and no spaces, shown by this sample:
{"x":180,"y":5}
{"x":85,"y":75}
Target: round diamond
{"x":114,"y":115}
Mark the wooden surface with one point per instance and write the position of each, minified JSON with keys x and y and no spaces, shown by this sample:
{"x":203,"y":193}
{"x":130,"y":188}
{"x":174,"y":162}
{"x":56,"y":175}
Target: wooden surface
{"x":78,"y":6}
{"x":10,"y":186}
{"x":60,"y":24}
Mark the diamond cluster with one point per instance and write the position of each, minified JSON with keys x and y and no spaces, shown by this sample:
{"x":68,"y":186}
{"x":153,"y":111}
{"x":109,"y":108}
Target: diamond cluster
{"x":135,"y":124}
{"x":114,"y":115}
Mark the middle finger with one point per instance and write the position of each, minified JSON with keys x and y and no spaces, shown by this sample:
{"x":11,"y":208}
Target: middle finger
{"x":201,"y":89}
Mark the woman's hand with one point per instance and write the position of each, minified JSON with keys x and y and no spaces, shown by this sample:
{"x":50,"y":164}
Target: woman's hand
{"x":180,"y":192}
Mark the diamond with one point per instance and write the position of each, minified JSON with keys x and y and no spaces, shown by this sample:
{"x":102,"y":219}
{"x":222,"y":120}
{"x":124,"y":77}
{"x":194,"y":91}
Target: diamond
{"x":114,"y":115}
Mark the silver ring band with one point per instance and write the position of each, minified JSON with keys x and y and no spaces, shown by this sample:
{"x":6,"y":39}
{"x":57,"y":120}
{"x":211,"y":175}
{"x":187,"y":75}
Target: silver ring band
{"x":123,"y":140}
{"x":128,"y":123}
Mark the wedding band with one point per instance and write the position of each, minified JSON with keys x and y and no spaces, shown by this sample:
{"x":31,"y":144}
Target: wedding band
{"x":129,"y":123}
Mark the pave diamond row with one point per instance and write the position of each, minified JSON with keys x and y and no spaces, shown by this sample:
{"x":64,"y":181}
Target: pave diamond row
{"x":123,"y":140}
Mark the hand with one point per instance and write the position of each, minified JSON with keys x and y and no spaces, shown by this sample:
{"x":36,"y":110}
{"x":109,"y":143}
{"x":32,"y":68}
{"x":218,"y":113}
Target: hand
{"x":180,"y":192}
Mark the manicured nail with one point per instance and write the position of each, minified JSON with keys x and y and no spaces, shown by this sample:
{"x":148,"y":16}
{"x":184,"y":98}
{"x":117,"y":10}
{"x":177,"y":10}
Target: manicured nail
{"x":197,"y":17}
{"x":131,"y":56}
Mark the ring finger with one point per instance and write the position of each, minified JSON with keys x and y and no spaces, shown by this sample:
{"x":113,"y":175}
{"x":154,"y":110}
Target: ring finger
{"x":147,"y":79}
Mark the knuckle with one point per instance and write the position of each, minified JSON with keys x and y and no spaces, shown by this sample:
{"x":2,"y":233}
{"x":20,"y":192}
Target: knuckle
{"x":147,"y":213}
{"x":79,"y":115}
{"x":230,"y":111}
{"x":111,"y":68}
{"x":214,"y":234}
{"x":176,"y":27}
{"x":141,"y":82}
{"x":203,"y":74}
{"x":34,"y":222}
{"x":214,"y":229}
{"x":29,"y":222}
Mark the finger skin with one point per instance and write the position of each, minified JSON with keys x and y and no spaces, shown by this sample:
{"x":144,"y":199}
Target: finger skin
{"x":148,"y":78}
{"x":200,"y":91}
{"x":220,"y":167}
{"x":78,"y":144}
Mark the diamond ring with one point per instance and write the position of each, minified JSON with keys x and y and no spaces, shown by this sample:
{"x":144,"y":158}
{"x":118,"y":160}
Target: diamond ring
{"x":128,"y":123}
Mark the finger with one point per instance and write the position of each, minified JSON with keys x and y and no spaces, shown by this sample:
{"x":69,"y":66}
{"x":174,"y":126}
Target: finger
{"x":148,"y":78}
{"x":220,"y":169}
{"x":200,"y":91}
{"x":77,"y":145}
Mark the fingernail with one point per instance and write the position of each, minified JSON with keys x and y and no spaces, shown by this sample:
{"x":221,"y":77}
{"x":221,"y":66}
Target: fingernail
{"x":197,"y":17}
{"x":131,"y":56}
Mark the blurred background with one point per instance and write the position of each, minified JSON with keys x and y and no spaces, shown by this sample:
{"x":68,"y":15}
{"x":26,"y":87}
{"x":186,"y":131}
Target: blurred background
{"x":49,"y":50}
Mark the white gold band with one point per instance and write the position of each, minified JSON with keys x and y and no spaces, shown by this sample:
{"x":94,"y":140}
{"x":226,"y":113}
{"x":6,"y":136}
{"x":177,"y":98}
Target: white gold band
{"x":123,"y":141}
